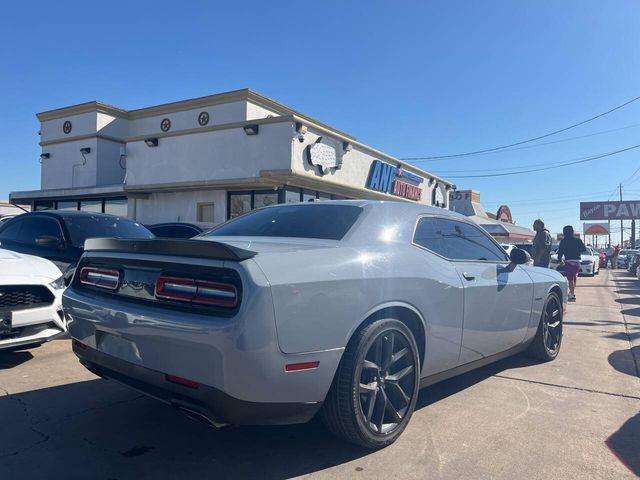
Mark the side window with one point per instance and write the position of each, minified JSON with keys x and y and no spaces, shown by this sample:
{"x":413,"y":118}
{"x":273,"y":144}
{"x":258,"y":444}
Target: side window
{"x":35,"y":227}
{"x":466,"y":242}
{"x":164,"y":231}
{"x":429,"y":235}
{"x":182,"y":231}
{"x":10,"y":230}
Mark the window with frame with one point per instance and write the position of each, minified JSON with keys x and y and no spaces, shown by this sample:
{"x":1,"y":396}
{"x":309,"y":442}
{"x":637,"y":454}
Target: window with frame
{"x":464,"y":241}
{"x":206,"y":212}
{"x":429,"y":235}
{"x":457,"y":240}
{"x":34,"y":227}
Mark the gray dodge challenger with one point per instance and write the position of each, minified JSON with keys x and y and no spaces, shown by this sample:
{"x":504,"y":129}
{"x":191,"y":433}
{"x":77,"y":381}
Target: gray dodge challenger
{"x":342,"y":308}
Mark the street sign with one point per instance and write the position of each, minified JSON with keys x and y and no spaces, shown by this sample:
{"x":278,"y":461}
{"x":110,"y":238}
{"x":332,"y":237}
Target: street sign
{"x":626,"y":210}
{"x":596,"y":229}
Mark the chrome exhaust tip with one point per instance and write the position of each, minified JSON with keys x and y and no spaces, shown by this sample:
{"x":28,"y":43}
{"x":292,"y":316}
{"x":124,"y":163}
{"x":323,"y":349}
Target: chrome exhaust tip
{"x":200,"y":417}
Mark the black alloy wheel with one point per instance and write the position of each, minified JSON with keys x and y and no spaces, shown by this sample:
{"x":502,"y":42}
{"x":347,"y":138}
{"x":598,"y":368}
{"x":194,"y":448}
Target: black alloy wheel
{"x":548,"y":339}
{"x":375,"y":389}
{"x":387,"y":382}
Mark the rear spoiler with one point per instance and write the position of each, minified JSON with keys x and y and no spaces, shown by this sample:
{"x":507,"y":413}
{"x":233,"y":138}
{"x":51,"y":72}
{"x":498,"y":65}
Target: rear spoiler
{"x":179,"y":248}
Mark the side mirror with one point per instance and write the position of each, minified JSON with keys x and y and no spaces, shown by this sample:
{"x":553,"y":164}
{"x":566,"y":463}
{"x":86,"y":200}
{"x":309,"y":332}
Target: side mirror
{"x":48,"y":241}
{"x":519,"y":256}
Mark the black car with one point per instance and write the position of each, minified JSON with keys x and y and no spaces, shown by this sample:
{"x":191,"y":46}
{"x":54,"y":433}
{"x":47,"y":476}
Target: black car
{"x":180,"y":229}
{"x":59,"y":235}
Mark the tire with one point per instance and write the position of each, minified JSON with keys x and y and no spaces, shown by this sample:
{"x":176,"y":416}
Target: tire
{"x":548,"y":339}
{"x":376,"y":386}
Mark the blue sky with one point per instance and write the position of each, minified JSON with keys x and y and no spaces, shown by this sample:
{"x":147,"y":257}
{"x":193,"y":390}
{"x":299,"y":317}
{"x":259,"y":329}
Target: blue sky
{"x":409,"y":78}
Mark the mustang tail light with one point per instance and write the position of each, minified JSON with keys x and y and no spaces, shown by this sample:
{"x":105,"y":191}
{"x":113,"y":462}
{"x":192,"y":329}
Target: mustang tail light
{"x":100,"y":277}
{"x":193,"y":290}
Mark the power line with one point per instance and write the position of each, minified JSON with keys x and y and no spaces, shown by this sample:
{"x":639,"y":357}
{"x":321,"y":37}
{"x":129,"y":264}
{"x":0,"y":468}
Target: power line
{"x":565,"y":164}
{"x":602,"y":132}
{"x":514,"y":167}
{"x":486,"y":150}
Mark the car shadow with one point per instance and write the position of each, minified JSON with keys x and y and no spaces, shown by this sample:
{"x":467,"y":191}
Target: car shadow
{"x":123,"y":434}
{"x":13,"y":358}
{"x":624,"y":444}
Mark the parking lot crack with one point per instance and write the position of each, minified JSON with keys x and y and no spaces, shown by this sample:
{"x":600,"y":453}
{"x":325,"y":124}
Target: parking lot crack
{"x":568,"y":387}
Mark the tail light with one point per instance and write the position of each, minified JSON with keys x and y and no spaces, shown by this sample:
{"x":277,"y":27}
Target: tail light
{"x":193,"y":290}
{"x":100,"y":277}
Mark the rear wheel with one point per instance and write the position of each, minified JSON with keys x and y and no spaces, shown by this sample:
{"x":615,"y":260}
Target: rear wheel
{"x":548,"y":339}
{"x":375,"y":389}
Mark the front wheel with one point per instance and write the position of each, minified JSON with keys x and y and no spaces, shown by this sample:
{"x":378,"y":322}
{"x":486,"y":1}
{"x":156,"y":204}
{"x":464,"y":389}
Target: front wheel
{"x":546,"y":344}
{"x":375,"y":389}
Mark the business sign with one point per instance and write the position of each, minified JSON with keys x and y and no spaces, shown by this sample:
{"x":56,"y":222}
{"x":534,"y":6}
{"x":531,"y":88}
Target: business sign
{"x":627,"y":210}
{"x":388,"y":178}
{"x":595,"y":229}
{"x":324,"y":157}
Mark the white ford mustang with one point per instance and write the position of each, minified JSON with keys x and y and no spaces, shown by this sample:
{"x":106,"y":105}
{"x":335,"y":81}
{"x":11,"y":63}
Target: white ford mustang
{"x":30,"y":300}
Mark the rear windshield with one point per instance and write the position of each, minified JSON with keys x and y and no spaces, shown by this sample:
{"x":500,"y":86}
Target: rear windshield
{"x":327,"y":222}
{"x":95,"y":226}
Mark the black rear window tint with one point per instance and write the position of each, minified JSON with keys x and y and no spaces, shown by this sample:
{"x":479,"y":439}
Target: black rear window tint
{"x":327,"y":222}
{"x":90,"y":226}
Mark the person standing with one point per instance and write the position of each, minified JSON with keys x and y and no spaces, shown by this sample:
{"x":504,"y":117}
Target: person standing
{"x":609,"y":253}
{"x":614,"y":258}
{"x":541,"y":248}
{"x":570,"y":248}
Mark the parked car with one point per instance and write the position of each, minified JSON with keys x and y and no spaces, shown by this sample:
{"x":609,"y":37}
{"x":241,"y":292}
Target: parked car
{"x":509,"y":247}
{"x":633,"y":264}
{"x":342,"y":307}
{"x":180,"y":229}
{"x":624,"y":257}
{"x":30,"y":300}
{"x":59,"y":235}
{"x":589,"y":263}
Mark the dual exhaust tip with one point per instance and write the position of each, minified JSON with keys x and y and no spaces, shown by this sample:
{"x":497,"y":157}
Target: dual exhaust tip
{"x":200,"y":417}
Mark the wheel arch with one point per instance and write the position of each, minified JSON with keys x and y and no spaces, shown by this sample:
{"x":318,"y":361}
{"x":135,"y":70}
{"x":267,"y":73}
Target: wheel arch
{"x":403,"y":312}
{"x":556,"y":289}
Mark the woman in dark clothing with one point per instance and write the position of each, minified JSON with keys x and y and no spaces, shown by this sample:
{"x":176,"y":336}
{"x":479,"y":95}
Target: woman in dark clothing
{"x":571,"y":248}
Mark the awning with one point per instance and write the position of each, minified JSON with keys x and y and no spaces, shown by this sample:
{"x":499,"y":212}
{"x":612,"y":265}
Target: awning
{"x":503,"y":230}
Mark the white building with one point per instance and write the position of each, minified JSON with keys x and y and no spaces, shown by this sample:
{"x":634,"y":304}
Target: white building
{"x":209,"y":159}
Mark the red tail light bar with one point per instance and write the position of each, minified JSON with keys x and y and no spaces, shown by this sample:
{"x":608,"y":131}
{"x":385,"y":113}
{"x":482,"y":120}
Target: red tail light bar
{"x":193,"y":290}
{"x":100,"y":277}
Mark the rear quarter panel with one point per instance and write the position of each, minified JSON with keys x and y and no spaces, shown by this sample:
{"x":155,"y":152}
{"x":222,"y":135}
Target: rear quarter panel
{"x":321,"y":297}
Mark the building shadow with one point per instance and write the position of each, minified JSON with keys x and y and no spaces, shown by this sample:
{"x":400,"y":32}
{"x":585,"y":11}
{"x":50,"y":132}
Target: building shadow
{"x":626,"y":361}
{"x":625,"y":444}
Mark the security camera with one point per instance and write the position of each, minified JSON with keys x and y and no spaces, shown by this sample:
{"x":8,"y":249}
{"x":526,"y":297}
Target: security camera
{"x":300,"y":137}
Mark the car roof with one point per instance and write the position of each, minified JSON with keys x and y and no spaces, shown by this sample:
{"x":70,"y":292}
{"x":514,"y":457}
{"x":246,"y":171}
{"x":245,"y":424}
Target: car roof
{"x":202,"y":225}
{"x":411,"y":208}
{"x":62,"y":214}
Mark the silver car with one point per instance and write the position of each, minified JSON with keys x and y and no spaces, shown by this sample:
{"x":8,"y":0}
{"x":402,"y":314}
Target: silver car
{"x":346,"y":308}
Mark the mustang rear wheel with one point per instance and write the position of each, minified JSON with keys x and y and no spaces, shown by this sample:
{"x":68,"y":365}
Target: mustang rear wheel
{"x":548,"y":339}
{"x":375,"y":389}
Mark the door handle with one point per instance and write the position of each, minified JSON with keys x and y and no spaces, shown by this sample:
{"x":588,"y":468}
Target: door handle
{"x":468,"y":276}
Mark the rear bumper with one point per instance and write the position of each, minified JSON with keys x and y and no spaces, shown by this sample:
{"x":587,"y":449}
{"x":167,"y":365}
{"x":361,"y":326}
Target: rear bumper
{"x":216,"y":406}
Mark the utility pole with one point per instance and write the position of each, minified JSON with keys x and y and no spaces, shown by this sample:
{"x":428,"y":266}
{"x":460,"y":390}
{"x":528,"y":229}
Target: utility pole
{"x":621,"y":224}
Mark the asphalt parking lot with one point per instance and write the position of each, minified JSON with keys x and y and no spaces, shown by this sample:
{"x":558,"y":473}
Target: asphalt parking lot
{"x":577,"y":417}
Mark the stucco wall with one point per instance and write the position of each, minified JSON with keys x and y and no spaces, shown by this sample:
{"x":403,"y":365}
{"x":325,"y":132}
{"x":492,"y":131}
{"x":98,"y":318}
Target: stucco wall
{"x":218,"y":115}
{"x":110,"y":169}
{"x":217,"y":155}
{"x":178,"y":206}
{"x":82,"y":124}
{"x":64,"y":168}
